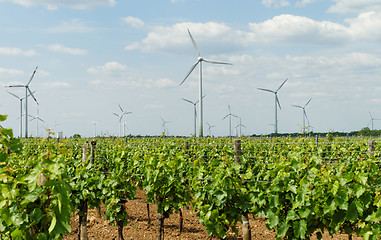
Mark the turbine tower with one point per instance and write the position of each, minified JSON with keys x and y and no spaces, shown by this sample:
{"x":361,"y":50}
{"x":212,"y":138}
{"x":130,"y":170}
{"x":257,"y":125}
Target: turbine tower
{"x":199,"y":61}
{"x":304,"y":114}
{"x":276,"y":103}
{"x":27,"y":93}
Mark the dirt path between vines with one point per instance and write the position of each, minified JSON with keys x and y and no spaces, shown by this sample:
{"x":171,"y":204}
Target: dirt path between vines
{"x":138,"y":227}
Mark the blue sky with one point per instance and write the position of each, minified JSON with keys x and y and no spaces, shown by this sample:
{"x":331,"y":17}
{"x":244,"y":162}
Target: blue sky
{"x":95,"y":54}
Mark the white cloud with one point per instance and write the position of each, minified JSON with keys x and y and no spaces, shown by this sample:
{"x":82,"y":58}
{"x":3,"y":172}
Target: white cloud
{"x":107,"y":68}
{"x":212,"y":36}
{"x":57,"y":85}
{"x":365,"y":27}
{"x":275,"y":3}
{"x":4,"y":72}
{"x":297,"y":29}
{"x":355,"y":6}
{"x":55,"y":4}
{"x":72,"y":26}
{"x":176,"y":1}
{"x":17,"y":52}
{"x":303,"y":3}
{"x":133,"y":21}
{"x":62,"y":49}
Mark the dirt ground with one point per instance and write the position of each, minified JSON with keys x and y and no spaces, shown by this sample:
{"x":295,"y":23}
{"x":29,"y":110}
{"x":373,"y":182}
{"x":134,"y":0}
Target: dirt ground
{"x":139,"y":228}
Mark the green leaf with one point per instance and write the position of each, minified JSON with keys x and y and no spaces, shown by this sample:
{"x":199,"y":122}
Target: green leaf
{"x":300,"y":229}
{"x":352,"y":214}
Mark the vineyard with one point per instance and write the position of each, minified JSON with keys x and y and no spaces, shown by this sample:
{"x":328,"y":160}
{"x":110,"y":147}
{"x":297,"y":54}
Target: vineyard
{"x":300,"y":186}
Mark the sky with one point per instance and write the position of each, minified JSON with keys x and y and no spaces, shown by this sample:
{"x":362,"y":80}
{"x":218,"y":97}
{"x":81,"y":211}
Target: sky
{"x":94,"y":55}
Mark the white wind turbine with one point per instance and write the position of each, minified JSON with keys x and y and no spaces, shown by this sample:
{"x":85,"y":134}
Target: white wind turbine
{"x":240,"y":125}
{"x":19,"y":98}
{"x":199,"y":61}
{"x":304,"y":114}
{"x":276,"y":103}
{"x":163,"y":125}
{"x":27,"y":89}
{"x":195,"y":111}
{"x":37,"y":118}
{"x":120,"y":119}
{"x":230,"y":120}
{"x":372,"y":120}
{"x":210,"y":128}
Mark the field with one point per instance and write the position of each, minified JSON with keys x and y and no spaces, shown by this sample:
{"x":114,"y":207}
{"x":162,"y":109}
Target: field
{"x":296,"y":188}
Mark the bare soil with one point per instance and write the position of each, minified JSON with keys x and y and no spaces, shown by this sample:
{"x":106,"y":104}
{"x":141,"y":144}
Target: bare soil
{"x":139,"y":226}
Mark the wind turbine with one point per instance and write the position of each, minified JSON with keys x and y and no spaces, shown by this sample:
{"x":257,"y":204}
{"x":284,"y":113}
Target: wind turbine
{"x":37,"y":118}
{"x":27,"y":89}
{"x":372,"y":120}
{"x":240,"y":125}
{"x":195,"y":111}
{"x":230,"y":120}
{"x":210,"y":128}
{"x":199,"y":61}
{"x":276,"y":103}
{"x":163,"y":125}
{"x":20,"y":128}
{"x":120,"y":119}
{"x":304,"y":114}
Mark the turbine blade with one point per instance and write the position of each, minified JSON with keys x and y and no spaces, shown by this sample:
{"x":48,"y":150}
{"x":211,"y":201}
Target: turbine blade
{"x":190,"y":71}
{"x":277,"y":100}
{"x":216,"y":62}
{"x":188,"y":100}
{"x":282,"y":84}
{"x":14,"y":95}
{"x":308,"y":102}
{"x":32,"y":76}
{"x":16,"y":86}
{"x":128,"y":113}
{"x":226,"y":116}
{"x":370,"y":115}
{"x":115,"y":114}
{"x":267,"y":90}
{"x":297,"y":106}
{"x":121,"y":109}
{"x":305,"y":114}
{"x":234,"y":115}
{"x":194,"y":44}
{"x":30,"y":92}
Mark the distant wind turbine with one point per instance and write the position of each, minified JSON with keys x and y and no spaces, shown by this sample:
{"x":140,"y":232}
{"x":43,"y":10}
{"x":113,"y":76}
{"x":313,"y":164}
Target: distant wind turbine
{"x":120,"y":119}
{"x":195,"y":112}
{"x":27,"y":89}
{"x":304,"y":114}
{"x":230,"y":120}
{"x":163,"y":125}
{"x":19,"y":98}
{"x":210,"y":128}
{"x":37,"y":118}
{"x":199,"y":61}
{"x":276,"y":103}
{"x":372,"y":120}
{"x":240,"y":125}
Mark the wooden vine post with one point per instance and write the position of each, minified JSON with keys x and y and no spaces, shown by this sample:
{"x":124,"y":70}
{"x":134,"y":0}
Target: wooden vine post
{"x":82,"y":229}
{"x":98,"y":213}
{"x":246,"y":232}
